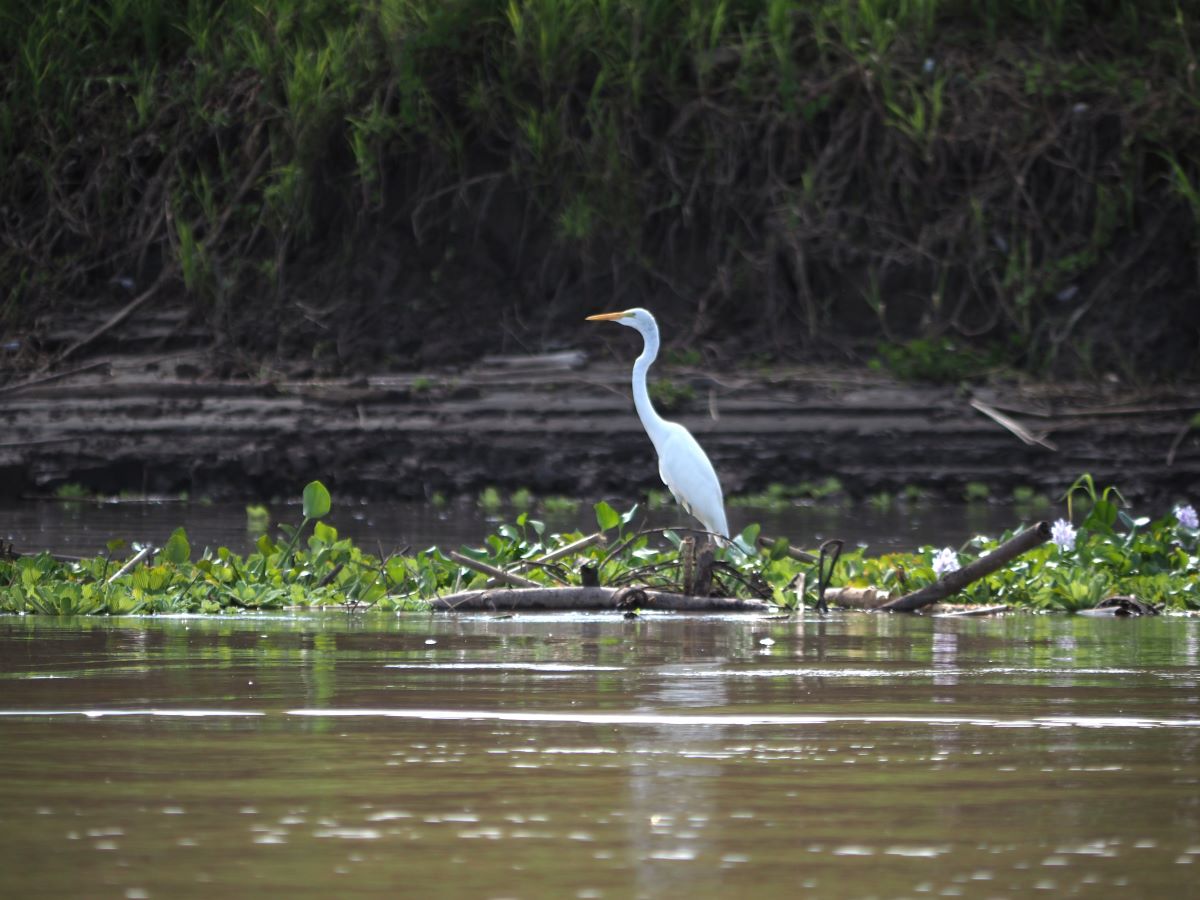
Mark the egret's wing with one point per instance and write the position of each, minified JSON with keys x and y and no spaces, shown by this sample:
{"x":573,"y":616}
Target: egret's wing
{"x":685,"y":468}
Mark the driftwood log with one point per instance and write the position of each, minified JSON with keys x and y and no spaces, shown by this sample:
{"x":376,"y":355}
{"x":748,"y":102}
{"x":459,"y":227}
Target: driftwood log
{"x":857,"y":597}
{"x":497,"y":574}
{"x":973,"y":611}
{"x":527,"y":596}
{"x":953,"y":582}
{"x":590,"y":598}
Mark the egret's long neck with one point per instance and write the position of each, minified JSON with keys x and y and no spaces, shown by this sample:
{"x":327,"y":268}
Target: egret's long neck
{"x":654,"y":424}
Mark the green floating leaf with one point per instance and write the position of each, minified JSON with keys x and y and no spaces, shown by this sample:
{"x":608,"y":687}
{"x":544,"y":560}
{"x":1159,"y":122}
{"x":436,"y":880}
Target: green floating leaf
{"x":778,"y":550}
{"x":606,"y":516}
{"x":1101,"y":518}
{"x":316,"y":500}
{"x":177,"y":549}
{"x":327,"y":534}
{"x":747,"y":541}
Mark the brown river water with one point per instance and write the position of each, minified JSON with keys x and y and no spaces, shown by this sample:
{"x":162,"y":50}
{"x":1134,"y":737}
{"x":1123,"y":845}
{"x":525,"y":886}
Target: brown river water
{"x":324,"y":755}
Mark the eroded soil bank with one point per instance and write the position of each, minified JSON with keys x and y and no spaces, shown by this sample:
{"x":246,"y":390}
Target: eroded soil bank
{"x":382,"y":186}
{"x":561,"y":424}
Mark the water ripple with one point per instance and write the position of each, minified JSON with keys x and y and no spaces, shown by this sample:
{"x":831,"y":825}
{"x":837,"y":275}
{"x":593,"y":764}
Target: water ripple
{"x":514,"y":667}
{"x":683,"y":719}
{"x":632,"y":718}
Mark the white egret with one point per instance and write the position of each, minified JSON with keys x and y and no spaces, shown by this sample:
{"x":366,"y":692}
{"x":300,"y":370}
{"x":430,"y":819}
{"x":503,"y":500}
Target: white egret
{"x":683,"y":466}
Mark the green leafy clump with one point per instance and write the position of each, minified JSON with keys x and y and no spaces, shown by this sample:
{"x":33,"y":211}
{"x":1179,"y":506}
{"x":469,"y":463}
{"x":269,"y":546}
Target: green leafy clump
{"x":1026,"y":497}
{"x":72,"y":491}
{"x":671,"y":396}
{"x":1110,"y":552}
{"x":976,"y":492}
{"x":938,"y":360}
{"x":326,"y":571}
{"x":258,"y":519}
{"x":779,"y":496}
{"x":490,"y":500}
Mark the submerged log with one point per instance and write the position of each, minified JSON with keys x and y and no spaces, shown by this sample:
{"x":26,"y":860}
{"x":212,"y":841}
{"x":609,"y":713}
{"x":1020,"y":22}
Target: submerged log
{"x":572,"y":599}
{"x":1120,"y":606}
{"x":857,"y":597}
{"x":953,"y":582}
{"x":945,"y":611}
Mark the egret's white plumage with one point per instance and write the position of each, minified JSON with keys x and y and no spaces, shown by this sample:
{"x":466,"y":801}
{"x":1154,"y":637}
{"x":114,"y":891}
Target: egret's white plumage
{"x":683,"y":466}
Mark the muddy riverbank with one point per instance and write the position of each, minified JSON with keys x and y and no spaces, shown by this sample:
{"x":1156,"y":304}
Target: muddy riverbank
{"x":561,"y":424}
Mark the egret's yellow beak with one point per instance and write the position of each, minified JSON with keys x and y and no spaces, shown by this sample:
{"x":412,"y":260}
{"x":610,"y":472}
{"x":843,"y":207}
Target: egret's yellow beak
{"x":607,"y":317}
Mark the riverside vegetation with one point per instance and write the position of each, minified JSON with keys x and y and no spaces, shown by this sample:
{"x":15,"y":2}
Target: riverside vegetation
{"x":1110,"y":552}
{"x":945,"y":186}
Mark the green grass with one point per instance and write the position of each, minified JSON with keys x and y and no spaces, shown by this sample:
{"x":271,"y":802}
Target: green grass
{"x":72,"y":491}
{"x":558,"y":505}
{"x":946,"y":171}
{"x":670,"y":396}
{"x":490,"y":500}
{"x":976,"y":492}
{"x":779,"y":496}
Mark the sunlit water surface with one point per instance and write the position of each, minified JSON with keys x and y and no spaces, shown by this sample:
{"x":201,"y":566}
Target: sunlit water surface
{"x":591,"y":756}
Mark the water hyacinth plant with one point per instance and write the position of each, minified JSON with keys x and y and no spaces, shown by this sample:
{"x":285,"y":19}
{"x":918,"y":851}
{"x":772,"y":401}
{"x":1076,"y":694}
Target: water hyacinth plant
{"x":1186,"y":517}
{"x":945,"y":561}
{"x":1063,"y":534}
{"x":1108,"y":553}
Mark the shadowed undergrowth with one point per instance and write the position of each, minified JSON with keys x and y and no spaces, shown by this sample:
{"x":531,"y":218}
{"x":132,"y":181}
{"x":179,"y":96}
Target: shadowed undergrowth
{"x":1012,"y":184}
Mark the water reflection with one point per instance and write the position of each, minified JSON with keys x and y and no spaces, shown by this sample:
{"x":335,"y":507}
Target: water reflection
{"x":585,"y":755}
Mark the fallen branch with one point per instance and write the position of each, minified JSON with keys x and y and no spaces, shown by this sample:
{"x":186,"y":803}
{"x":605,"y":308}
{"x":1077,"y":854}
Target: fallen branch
{"x":121,"y":315}
{"x":133,"y":561}
{"x":543,"y":561}
{"x":171,"y":270}
{"x":565,"y":359}
{"x":857,"y":597}
{"x":953,"y":582}
{"x":591,"y":598}
{"x":794,"y":552}
{"x":38,"y":443}
{"x":1013,"y":426}
{"x":57,"y":376}
{"x":498,"y":574}
{"x":582,"y":544}
{"x":1177,"y":442}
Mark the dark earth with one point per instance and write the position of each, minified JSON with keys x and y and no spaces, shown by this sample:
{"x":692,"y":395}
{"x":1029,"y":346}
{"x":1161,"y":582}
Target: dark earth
{"x":163,"y":416}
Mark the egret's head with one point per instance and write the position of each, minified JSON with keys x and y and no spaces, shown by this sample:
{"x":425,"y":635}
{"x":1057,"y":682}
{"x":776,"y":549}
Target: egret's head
{"x":637,"y":318}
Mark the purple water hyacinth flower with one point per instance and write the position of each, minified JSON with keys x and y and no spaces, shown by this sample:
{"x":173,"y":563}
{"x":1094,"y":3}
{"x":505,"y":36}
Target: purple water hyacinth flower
{"x":944,"y":562}
{"x":1062,"y":533}
{"x":1186,"y":516}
